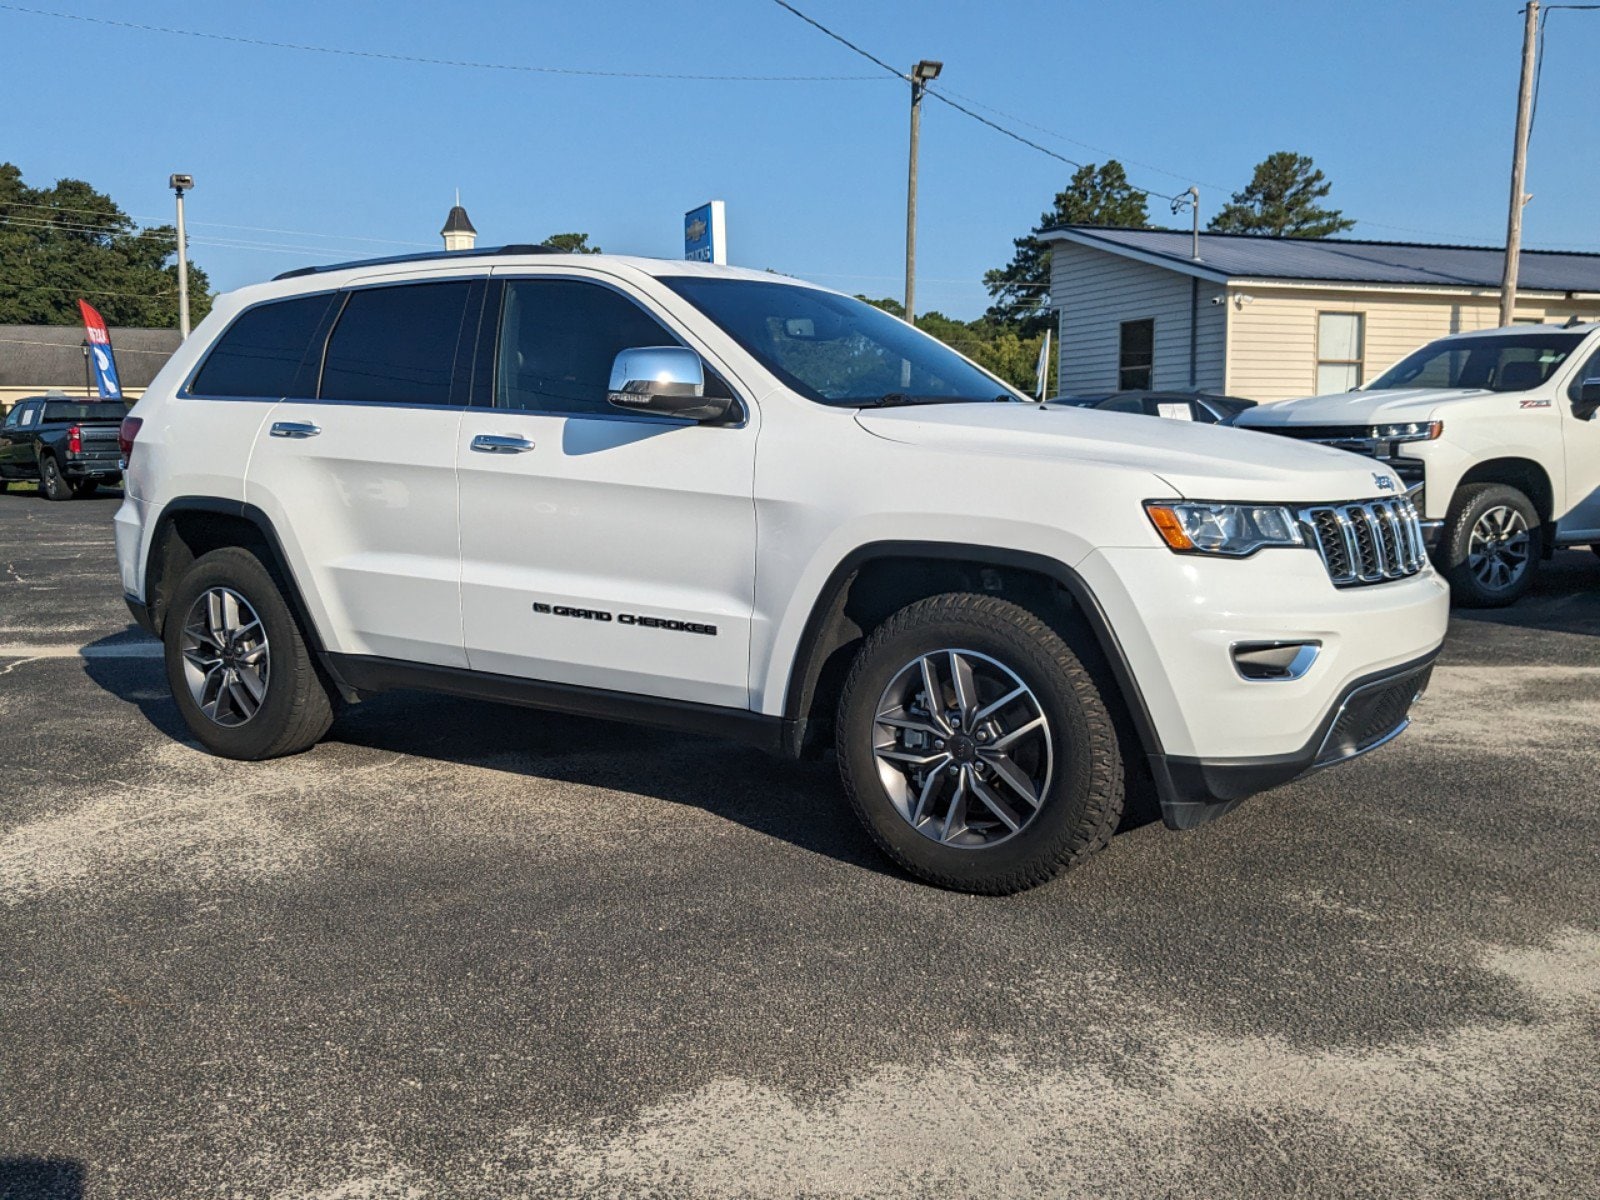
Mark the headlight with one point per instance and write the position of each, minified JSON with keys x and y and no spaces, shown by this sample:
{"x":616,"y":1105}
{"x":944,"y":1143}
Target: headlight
{"x":1408,"y":431}
{"x":1230,"y":529}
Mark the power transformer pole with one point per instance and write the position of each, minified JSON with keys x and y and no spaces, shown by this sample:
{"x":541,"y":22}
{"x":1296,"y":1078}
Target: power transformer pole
{"x":921,"y":75}
{"x":1519,"y":165}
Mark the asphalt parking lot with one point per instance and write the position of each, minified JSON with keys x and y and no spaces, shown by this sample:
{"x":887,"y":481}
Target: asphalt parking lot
{"x":464,"y":950}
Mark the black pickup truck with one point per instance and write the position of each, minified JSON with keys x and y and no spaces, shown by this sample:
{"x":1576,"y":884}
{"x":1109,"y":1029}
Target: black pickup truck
{"x":69,"y":446}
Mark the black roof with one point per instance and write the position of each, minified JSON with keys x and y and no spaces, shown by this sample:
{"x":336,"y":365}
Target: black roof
{"x":458,"y":222}
{"x":1342,"y":260}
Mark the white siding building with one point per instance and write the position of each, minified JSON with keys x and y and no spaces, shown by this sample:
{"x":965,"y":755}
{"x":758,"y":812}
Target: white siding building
{"x":1275,"y":318}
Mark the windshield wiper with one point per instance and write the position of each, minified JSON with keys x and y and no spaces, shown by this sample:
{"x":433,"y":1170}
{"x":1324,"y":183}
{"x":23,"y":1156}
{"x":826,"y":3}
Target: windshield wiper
{"x":900,"y":399}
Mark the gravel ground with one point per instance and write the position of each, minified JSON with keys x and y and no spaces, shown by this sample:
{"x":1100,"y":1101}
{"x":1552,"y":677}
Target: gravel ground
{"x":464,"y":950}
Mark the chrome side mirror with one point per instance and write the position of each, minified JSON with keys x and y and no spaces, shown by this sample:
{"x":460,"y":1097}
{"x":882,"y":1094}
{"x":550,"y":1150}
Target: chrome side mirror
{"x":1588,"y":401}
{"x":669,"y":381}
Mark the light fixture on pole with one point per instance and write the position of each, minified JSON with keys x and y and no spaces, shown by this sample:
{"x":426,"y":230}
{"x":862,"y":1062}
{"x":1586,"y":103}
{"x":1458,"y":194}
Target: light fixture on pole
{"x":921,"y":75}
{"x":180,"y":184}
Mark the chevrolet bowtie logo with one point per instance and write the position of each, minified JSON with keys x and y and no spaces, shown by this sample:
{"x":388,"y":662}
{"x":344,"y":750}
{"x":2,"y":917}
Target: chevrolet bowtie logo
{"x":695,"y":230}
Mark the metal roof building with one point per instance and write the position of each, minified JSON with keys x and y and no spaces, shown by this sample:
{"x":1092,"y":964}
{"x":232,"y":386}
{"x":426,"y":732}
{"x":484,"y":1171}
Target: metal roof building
{"x":37,"y":358}
{"x":1274,"y":318}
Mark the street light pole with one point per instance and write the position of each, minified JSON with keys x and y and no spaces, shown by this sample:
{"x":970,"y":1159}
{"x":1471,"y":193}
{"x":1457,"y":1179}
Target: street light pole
{"x":925,"y":71}
{"x":180,"y":184}
{"x":1519,"y":166}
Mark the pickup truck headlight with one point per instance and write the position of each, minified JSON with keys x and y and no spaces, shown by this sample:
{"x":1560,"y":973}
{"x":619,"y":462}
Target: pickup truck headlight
{"x":1408,"y":431}
{"x":1235,"y":530}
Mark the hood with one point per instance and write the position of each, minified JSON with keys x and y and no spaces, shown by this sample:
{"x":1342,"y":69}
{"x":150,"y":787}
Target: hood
{"x":1201,"y":462}
{"x":1362,"y":408}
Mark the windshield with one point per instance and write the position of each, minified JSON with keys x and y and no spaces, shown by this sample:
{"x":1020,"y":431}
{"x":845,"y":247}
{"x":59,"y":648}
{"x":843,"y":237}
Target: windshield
{"x":67,"y":411}
{"x":836,"y":350}
{"x":1502,"y":362}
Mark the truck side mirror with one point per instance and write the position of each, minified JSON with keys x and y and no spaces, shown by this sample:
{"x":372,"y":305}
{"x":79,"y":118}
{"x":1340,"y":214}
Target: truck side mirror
{"x":669,"y":381}
{"x":1588,"y":401}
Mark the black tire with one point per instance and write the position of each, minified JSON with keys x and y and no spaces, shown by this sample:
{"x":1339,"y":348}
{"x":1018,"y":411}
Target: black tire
{"x":297,"y":708}
{"x":52,"y":484}
{"x":1469,"y":586}
{"x":1080,"y":807}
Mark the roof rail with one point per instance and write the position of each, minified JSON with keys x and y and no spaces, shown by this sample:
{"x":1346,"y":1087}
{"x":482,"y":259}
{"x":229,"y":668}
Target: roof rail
{"x":426,"y":256}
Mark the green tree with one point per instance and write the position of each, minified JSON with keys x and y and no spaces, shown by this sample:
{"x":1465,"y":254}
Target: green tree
{"x":1281,"y":201}
{"x":571,"y":243}
{"x":1095,"y":196}
{"x":66,"y":241}
{"x":1000,"y":348}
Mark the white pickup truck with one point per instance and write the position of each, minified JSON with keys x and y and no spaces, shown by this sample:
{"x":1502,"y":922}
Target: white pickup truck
{"x":727,"y":502}
{"x":1493,"y":434}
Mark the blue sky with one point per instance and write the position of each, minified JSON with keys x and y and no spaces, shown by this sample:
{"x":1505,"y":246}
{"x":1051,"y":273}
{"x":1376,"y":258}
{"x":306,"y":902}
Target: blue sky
{"x":1407,"y":107}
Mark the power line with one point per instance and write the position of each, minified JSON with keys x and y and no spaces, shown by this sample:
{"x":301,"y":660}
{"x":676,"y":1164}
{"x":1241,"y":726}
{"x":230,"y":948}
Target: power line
{"x":338,"y":237}
{"x":1538,"y":67}
{"x":432,"y":62}
{"x":947,"y":98}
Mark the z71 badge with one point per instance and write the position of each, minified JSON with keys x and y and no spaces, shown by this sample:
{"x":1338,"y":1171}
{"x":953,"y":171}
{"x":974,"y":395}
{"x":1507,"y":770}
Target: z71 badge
{"x":1535,"y":403}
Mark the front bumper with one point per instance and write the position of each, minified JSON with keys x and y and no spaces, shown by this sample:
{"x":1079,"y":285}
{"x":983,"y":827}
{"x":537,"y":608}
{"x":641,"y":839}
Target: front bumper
{"x":1215,"y":736}
{"x":1370,"y":713}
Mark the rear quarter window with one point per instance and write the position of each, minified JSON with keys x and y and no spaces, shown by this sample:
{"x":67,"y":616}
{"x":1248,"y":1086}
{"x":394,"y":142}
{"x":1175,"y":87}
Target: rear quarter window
{"x":261,"y":352}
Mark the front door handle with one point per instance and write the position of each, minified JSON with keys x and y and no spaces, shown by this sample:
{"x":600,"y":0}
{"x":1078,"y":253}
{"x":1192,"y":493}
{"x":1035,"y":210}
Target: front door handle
{"x":496,"y":443}
{"x":295,"y":429}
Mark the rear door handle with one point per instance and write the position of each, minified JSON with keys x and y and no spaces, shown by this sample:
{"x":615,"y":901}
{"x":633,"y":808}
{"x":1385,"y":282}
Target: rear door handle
{"x":295,"y":429}
{"x":496,"y":443}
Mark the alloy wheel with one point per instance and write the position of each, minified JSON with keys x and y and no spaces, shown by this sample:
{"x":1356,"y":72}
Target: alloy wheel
{"x":963,"y":748}
{"x":225,"y":656}
{"x":1499,"y":548}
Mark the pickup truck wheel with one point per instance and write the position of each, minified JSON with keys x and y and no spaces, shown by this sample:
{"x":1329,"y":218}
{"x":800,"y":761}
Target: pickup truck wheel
{"x":976,"y":747}
{"x":237,"y":663}
{"x":52,"y":484}
{"x":1490,"y":547}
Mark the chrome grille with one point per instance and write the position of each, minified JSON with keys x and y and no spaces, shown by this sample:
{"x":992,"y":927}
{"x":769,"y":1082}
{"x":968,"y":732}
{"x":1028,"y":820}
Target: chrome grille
{"x":1368,"y":541}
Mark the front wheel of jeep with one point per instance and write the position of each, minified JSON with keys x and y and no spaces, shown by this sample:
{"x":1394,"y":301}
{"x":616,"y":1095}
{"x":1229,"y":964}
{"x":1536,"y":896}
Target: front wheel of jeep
{"x":977,"y":747}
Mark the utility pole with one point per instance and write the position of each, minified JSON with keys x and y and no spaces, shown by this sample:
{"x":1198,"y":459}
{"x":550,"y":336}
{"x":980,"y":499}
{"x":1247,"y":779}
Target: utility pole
{"x":921,"y":75}
{"x":180,"y":184}
{"x":1519,"y":165}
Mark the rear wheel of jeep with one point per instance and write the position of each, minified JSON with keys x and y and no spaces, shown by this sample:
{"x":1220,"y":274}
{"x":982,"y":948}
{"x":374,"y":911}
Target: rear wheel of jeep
{"x":1490,"y":547}
{"x":977,"y":747}
{"x":237,"y":663}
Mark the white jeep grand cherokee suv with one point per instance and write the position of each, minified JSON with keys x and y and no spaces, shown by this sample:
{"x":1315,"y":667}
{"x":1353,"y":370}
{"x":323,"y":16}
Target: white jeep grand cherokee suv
{"x":1493,"y":434}
{"x":732,"y":503}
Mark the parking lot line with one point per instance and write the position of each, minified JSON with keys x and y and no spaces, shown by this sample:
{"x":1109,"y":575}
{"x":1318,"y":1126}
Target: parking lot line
{"x":68,"y":650}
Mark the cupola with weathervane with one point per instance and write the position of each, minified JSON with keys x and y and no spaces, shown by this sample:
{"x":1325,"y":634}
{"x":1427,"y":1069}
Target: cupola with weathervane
{"x":458,"y":231}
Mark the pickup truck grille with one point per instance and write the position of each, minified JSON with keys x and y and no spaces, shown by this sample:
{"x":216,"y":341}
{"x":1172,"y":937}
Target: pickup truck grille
{"x":1368,"y":541}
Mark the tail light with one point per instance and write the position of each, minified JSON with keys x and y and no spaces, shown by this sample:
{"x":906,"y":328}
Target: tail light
{"x":74,"y":440}
{"x":126,"y":434}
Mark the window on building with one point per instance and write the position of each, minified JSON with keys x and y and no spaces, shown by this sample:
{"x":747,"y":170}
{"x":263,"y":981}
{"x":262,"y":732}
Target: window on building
{"x":262,"y":349}
{"x":1136,"y":355}
{"x":396,"y":345}
{"x":1339,"y":351}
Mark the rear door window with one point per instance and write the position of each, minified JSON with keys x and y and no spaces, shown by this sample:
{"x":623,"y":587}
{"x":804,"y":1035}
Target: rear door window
{"x":262,"y":349}
{"x":396,"y":345}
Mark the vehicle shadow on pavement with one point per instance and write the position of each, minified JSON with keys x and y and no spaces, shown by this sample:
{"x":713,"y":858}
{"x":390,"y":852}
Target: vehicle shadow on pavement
{"x":41,"y":1179}
{"x":801,"y":803}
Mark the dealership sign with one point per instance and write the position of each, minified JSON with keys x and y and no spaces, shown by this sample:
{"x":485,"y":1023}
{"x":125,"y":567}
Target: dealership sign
{"x":705,"y":233}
